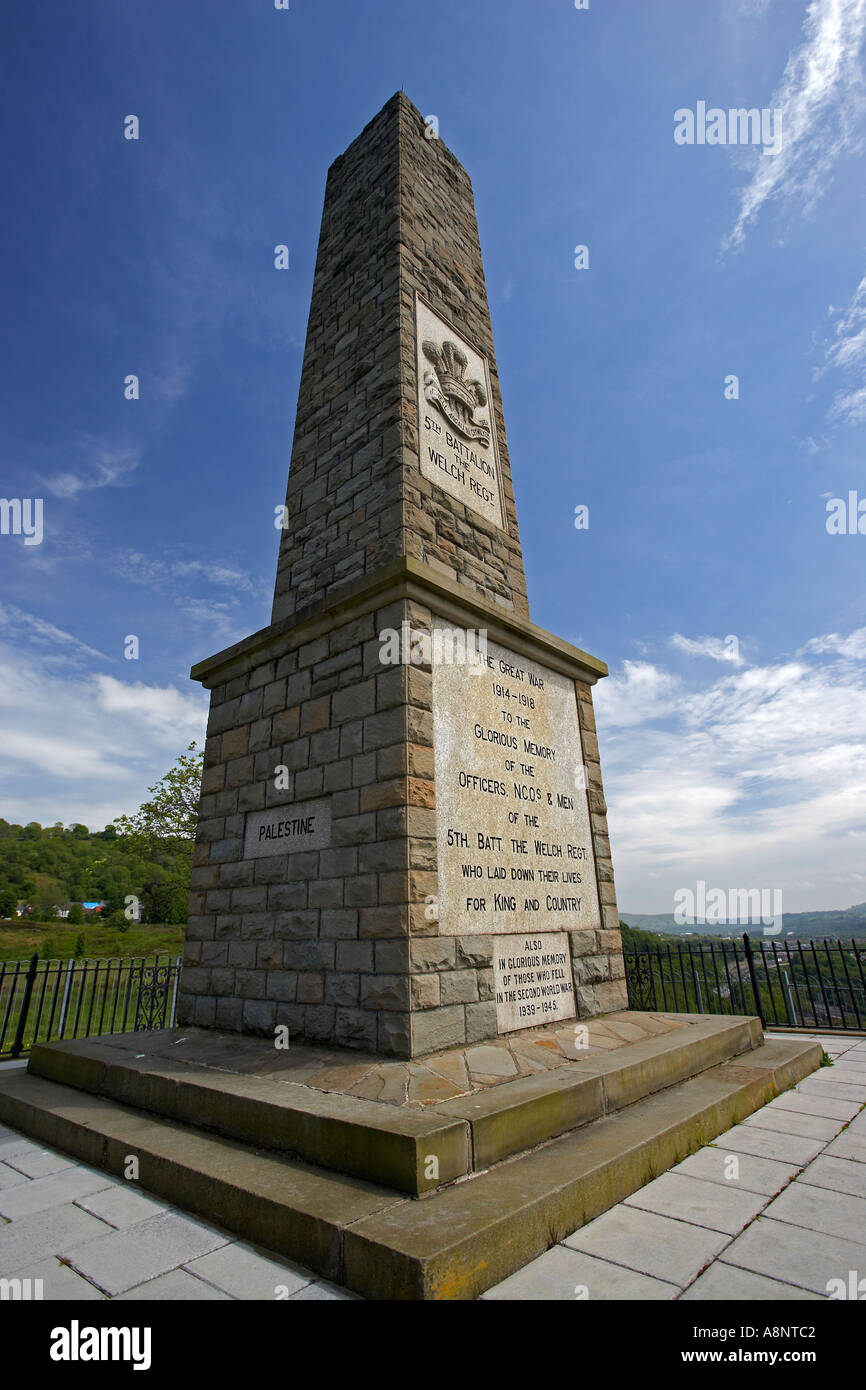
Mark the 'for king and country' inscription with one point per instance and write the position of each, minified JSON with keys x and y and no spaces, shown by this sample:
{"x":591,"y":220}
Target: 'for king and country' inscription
{"x":514,"y":839}
{"x":288,"y":829}
{"x":456,"y":432}
{"x":532,"y":980}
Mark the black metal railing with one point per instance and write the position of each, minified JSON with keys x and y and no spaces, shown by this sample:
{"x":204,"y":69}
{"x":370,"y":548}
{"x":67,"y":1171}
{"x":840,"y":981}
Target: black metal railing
{"x":45,"y":1000}
{"x":788,"y":984}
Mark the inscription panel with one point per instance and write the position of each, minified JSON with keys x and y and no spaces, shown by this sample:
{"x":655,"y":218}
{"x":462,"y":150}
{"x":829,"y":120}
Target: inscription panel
{"x":514,"y":844}
{"x":288,"y":829}
{"x":532,"y":980}
{"x":456,"y":429}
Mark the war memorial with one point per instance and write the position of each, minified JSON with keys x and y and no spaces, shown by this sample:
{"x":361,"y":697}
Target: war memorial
{"x":406,"y":1057}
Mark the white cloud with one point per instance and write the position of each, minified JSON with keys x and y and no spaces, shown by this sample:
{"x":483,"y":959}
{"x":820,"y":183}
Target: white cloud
{"x":16,"y":623}
{"x":853,"y":647}
{"x":105,"y":466}
{"x":85,"y":747}
{"x":846,"y":353}
{"x":640,"y":694}
{"x":156,"y":571}
{"x":219,"y":617}
{"x":717,"y":648}
{"x":821,"y":98}
{"x":756,"y":780}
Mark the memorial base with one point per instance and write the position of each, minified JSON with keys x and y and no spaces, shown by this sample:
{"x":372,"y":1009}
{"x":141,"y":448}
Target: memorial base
{"x":396,"y":1179}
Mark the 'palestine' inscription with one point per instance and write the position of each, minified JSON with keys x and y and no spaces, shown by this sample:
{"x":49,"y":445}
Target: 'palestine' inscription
{"x":513,"y":828}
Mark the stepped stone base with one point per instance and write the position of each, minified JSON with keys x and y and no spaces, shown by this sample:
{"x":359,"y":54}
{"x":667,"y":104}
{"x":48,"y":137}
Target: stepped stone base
{"x":405,"y":1180}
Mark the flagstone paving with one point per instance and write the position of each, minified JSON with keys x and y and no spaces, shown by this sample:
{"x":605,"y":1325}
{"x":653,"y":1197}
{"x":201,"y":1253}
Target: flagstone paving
{"x":773,"y":1209}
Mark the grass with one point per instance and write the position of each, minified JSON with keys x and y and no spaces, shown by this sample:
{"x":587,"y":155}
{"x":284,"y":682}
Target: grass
{"x":18,"y":940}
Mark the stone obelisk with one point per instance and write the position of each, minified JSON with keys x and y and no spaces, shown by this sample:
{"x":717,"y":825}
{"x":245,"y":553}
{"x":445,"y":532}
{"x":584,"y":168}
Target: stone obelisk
{"x":402,"y":842}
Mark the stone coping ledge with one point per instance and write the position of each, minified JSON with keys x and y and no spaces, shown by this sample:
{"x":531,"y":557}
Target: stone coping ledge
{"x":405,"y":578}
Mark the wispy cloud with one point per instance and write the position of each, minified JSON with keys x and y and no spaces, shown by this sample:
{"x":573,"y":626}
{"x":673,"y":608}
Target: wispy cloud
{"x":106,"y":465}
{"x":717,"y":648}
{"x":14,"y":622}
{"x":156,"y":571}
{"x":219,"y":617}
{"x":821,"y":98}
{"x":852,"y":647}
{"x":846,"y":353}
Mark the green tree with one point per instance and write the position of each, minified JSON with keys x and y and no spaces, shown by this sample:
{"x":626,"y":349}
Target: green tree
{"x":76,"y":914}
{"x":172,"y":812}
{"x":8,"y":902}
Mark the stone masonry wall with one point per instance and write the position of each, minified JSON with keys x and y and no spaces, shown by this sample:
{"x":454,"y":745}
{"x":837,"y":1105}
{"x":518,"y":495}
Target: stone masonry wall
{"x":342,"y":944}
{"x":440,"y":256}
{"x":398,"y":215}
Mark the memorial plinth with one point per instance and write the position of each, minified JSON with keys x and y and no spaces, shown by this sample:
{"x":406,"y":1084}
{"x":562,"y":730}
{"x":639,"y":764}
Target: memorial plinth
{"x":401,"y":771}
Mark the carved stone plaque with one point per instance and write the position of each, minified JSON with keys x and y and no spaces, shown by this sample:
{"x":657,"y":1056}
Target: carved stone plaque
{"x":288,"y":829}
{"x":514,"y":846}
{"x":532,"y":980}
{"x":456,"y":429}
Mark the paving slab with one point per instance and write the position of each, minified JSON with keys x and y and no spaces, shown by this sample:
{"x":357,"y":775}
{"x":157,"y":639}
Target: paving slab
{"x":10,"y":1177}
{"x":840,"y":1174}
{"x":122,"y":1259}
{"x":38,"y":1163}
{"x":120,"y":1205}
{"x":794,"y":1255}
{"x":60,"y":1283}
{"x":16,"y":1144}
{"x":712,"y":1164}
{"x":565,"y":1275}
{"x":320,"y":1291}
{"x":244,"y":1272}
{"x":794,"y":1123}
{"x":174,"y":1287}
{"x":718,"y":1206}
{"x":848,"y":1090}
{"x":848,"y":1145}
{"x":858,"y":1125}
{"x":32,"y":1238}
{"x":41,"y":1194}
{"x":765,"y":1143}
{"x":726,"y":1283}
{"x":674,"y":1251}
{"x":815,"y":1103}
{"x":821,"y":1210}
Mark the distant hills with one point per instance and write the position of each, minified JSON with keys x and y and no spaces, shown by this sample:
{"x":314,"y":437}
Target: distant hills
{"x":843,"y":922}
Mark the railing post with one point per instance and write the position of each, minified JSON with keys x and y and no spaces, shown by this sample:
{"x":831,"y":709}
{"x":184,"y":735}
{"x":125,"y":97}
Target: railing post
{"x":751,"y":964}
{"x":25,"y":1005}
{"x":70,"y":967}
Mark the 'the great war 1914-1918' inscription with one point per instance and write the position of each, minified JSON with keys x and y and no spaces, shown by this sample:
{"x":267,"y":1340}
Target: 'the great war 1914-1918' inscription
{"x":532,"y":980}
{"x":514,"y":845}
{"x":288,"y":829}
{"x":456,"y":429}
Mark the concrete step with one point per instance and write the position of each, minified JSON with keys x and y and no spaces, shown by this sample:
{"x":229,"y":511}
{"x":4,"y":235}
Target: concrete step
{"x":390,"y":1144}
{"x":452,"y":1244}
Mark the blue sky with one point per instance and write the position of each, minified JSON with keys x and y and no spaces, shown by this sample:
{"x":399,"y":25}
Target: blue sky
{"x":707,"y":515}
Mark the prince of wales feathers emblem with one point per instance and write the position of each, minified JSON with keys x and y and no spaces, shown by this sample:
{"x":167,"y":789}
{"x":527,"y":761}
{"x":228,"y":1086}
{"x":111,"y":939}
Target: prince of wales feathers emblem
{"x":448,"y":388}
